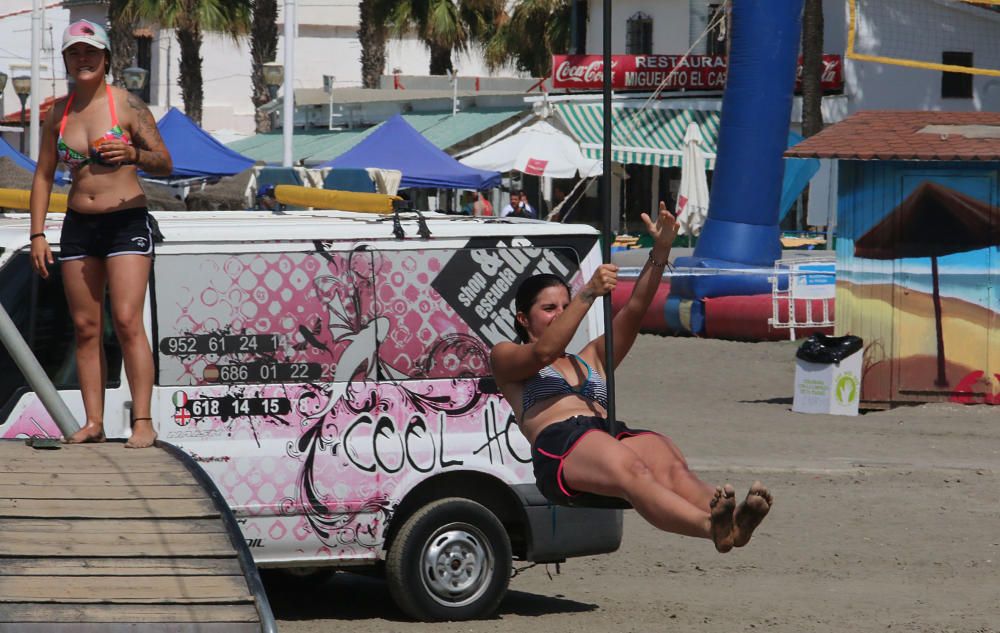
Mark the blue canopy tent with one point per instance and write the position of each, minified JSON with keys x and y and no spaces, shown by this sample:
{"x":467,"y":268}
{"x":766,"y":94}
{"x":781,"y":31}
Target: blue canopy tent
{"x":24,"y":162}
{"x":398,"y":145}
{"x":195,"y":152}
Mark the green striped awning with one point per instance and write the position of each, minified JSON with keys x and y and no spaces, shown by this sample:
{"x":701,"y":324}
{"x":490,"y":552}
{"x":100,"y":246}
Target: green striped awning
{"x":644,"y":136}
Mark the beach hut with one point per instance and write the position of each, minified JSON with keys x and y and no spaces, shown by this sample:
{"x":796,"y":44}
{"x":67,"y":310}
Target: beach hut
{"x":918,"y":251}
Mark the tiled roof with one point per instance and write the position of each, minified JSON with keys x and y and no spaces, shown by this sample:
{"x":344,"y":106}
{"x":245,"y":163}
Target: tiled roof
{"x":14,"y":117}
{"x":907,"y":135}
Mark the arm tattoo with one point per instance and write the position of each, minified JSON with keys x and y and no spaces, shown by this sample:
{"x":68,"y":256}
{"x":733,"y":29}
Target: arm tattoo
{"x":588,"y":295}
{"x":154,"y":157}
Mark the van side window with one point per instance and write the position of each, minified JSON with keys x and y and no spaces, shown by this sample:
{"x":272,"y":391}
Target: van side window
{"x":444,"y":309}
{"x":38,"y":308}
{"x":246,"y":318}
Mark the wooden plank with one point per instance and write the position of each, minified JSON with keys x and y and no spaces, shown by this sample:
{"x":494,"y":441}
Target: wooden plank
{"x":106,"y":526}
{"x":73,"y":466}
{"x":121,"y":589}
{"x":181,"y":477}
{"x":128,"y":613}
{"x":10,"y":449}
{"x":118,"y":455}
{"x":107,"y":509}
{"x":103,"y":492}
{"x":133,"y":627}
{"x":120,"y":566}
{"x":115,"y":544}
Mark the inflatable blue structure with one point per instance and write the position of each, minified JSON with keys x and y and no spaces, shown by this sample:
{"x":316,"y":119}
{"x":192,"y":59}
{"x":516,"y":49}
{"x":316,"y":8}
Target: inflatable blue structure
{"x":741,"y":230}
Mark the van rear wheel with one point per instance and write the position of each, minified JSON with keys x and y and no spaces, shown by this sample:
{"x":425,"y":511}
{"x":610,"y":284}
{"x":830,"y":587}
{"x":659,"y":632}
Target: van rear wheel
{"x":451,"y":560}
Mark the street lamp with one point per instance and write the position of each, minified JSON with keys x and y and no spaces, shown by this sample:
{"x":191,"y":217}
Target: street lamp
{"x":22,"y":86}
{"x":135,"y":79}
{"x":274,"y":76}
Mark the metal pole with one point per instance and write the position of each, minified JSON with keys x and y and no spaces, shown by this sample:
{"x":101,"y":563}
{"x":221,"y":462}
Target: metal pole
{"x":609,"y":346}
{"x":288,"y":111}
{"x":35,"y":375}
{"x":24,"y":130}
{"x":36,"y":84}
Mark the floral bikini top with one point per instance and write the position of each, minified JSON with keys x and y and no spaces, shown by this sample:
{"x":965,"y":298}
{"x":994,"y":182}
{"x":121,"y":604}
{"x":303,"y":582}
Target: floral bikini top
{"x":74,"y":159}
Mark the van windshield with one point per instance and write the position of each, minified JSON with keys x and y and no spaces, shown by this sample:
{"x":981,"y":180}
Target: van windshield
{"x":38,"y":308}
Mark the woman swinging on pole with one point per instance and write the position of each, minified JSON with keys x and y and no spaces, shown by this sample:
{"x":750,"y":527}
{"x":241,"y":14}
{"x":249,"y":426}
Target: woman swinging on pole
{"x":559,"y":400}
{"x":107,"y":234}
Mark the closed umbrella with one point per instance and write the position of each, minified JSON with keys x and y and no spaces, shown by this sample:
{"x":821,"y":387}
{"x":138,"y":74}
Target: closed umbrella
{"x":931,"y":222}
{"x":692,"y":197}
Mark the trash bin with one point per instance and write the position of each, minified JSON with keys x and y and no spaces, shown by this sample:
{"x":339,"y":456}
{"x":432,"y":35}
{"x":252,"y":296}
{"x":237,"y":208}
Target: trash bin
{"x":828,"y":375}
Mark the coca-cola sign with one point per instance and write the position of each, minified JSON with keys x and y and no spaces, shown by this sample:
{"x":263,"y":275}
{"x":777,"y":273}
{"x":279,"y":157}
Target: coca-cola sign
{"x":674,"y":72}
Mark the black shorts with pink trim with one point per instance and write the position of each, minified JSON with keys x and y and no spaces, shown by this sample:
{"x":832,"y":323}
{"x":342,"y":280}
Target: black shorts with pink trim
{"x":556,"y":442}
{"x":124,"y":232}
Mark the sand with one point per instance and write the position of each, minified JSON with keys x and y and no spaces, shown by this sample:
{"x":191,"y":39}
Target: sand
{"x":883,"y":522}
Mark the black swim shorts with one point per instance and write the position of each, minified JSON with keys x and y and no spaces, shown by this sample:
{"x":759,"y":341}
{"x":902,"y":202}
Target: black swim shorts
{"x":556,"y":442}
{"x":125,"y":232}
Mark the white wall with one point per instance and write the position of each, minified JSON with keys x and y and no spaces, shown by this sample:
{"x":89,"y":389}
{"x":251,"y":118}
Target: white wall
{"x":671,"y":25}
{"x":326,"y":44}
{"x":875,"y":86}
{"x":15,"y":50}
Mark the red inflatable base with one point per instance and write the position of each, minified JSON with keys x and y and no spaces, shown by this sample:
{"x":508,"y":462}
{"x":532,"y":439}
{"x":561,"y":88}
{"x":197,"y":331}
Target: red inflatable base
{"x":655,"y":320}
{"x":745,"y":318}
{"x":737,"y":318}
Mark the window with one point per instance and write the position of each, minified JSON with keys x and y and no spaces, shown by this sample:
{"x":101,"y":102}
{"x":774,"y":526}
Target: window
{"x":38,"y":308}
{"x":639,"y":37}
{"x":956,"y":85}
{"x":717,"y":37}
{"x":144,"y":59}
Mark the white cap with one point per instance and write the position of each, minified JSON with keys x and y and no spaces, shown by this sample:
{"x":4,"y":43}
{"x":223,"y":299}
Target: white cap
{"x":87,"y":32}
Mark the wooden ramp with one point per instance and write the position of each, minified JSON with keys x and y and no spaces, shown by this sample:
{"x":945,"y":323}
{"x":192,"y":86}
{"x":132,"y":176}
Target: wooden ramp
{"x":100,"y":538}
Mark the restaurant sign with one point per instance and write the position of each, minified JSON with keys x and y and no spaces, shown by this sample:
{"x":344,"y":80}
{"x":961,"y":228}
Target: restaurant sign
{"x":647,"y":72}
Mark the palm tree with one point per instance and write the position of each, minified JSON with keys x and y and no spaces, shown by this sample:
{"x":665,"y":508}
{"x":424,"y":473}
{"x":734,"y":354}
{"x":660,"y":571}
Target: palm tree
{"x":122,"y":21}
{"x":812,"y":67}
{"x":812,"y":77}
{"x":371,"y":35}
{"x":444,"y":25}
{"x":189,"y":19}
{"x":534,"y":31}
{"x":263,"y":49}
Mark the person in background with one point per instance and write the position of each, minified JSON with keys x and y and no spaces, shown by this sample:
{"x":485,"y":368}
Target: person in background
{"x":107,"y":234}
{"x":558,"y":197}
{"x":482,"y":207}
{"x":518,"y":206}
{"x":468,"y":199}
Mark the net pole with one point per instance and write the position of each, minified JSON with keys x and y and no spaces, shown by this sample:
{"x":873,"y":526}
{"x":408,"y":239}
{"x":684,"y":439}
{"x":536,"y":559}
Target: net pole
{"x":609,"y":349}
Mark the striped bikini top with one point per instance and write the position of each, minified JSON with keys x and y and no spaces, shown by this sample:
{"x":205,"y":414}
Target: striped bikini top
{"x":74,"y":159}
{"x":549,"y":382}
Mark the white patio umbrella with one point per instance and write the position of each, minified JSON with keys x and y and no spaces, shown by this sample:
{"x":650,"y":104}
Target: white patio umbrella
{"x":692,"y":196}
{"x":539,"y":150}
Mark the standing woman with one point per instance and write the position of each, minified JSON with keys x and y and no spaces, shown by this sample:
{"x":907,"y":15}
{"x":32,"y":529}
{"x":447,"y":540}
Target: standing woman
{"x":560,"y":401}
{"x":103,"y":135}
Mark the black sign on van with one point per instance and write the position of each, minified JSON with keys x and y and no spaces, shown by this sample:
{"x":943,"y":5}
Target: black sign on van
{"x":481,"y":280}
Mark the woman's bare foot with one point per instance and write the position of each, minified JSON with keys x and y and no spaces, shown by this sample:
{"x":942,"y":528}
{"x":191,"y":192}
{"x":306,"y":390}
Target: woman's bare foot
{"x":90,"y":433}
{"x":143,"y":434}
{"x":750,"y":513}
{"x":722,"y":508}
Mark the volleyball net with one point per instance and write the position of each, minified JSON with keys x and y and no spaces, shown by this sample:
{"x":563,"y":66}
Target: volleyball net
{"x":929,"y":34}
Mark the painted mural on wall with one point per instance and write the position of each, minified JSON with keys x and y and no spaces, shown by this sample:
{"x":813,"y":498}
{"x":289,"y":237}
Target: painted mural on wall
{"x":318,"y":387}
{"x":922,"y":284}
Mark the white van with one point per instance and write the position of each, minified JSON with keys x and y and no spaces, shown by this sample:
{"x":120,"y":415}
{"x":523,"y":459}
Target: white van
{"x":333,"y":380}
